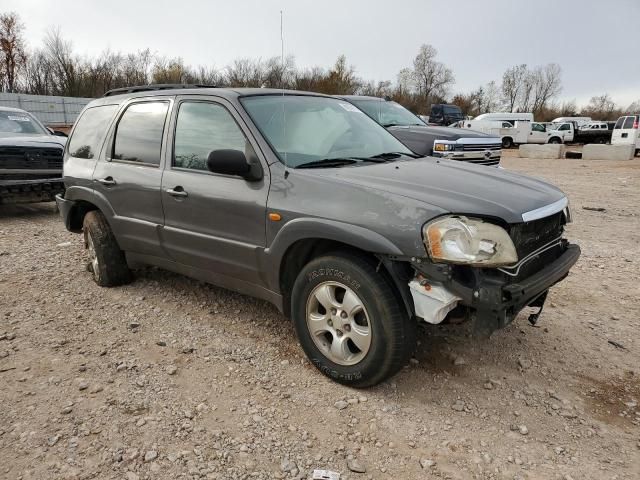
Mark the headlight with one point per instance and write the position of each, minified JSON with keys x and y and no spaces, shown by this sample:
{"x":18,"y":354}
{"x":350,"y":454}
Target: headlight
{"x":469,"y":241}
{"x":443,"y":147}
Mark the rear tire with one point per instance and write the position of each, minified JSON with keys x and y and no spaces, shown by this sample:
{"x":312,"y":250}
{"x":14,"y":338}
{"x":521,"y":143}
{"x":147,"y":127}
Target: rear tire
{"x":349,"y":320}
{"x":555,"y":141}
{"x":107,"y":262}
{"x":507,"y":142}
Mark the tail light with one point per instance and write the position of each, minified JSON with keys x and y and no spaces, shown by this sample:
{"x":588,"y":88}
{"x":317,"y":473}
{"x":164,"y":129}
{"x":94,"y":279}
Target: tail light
{"x":635,"y":123}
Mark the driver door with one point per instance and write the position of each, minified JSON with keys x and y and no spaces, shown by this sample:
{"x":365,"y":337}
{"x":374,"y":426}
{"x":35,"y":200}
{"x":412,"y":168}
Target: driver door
{"x":213,"y":222}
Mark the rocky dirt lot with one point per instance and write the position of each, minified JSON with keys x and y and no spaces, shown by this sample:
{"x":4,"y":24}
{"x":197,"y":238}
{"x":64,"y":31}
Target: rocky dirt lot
{"x":168,"y":378}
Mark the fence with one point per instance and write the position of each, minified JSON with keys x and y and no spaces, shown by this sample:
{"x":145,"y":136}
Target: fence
{"x":50,"y":110}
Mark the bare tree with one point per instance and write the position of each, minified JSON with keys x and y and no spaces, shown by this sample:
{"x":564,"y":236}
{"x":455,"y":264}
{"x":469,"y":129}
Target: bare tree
{"x":547,"y":84}
{"x":601,"y":107}
{"x":66,"y":70}
{"x":432,"y":78}
{"x":14,"y":57}
{"x":342,"y":78}
{"x":512,"y":85}
{"x":634,"y":108}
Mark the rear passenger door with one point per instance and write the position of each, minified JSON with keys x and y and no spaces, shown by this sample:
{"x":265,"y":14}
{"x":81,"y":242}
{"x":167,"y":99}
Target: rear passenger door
{"x":213,"y":222}
{"x":128,"y":177}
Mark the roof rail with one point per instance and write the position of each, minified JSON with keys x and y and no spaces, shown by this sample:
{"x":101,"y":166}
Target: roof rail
{"x":149,"y":88}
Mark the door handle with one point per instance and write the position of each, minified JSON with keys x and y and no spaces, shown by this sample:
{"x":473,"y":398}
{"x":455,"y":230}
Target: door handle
{"x":177,"y":192}
{"x":107,"y":181}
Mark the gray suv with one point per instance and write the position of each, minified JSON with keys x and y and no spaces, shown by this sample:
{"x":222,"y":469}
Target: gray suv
{"x":304,"y":201}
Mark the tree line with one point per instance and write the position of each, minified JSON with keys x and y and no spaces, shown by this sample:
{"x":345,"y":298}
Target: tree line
{"x":56,"y":69}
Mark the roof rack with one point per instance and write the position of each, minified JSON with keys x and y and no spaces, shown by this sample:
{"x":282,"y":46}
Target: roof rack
{"x":149,"y":88}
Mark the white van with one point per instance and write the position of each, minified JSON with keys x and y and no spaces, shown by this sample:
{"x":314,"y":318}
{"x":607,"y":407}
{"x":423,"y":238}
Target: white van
{"x":511,"y":132}
{"x":626,"y":131}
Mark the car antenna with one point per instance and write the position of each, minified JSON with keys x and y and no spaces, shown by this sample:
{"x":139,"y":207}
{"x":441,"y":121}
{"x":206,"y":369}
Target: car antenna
{"x":284,"y":117}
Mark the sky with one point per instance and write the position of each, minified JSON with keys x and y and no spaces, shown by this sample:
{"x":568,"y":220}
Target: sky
{"x":596,"y":43}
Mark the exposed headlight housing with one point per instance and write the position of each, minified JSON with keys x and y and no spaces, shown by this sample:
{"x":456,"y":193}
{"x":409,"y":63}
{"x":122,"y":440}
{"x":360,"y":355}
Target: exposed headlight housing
{"x":443,"y":147}
{"x":468,"y":241}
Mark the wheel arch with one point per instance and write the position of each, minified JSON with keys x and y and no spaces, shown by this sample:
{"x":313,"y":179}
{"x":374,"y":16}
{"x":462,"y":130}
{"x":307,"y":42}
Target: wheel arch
{"x":302,"y":242}
{"x":85,"y":200}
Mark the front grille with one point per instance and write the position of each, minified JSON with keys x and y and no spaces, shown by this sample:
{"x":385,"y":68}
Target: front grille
{"x":31,"y":158}
{"x":470,"y":147}
{"x":532,"y":236}
{"x":529,"y":236}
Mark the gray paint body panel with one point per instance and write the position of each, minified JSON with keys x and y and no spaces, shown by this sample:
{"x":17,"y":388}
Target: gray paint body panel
{"x":220,"y":232}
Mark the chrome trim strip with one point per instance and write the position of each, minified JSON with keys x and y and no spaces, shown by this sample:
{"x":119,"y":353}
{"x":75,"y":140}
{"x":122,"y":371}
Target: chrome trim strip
{"x":545,"y":211}
{"x":531,"y":256}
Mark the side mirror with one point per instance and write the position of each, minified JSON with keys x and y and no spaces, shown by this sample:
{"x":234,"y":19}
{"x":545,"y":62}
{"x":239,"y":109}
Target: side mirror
{"x":234,"y":162}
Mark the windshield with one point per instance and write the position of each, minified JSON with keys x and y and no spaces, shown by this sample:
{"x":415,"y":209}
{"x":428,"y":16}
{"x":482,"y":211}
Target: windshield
{"x":387,"y":113}
{"x":19,"y":123}
{"x":303,"y":129}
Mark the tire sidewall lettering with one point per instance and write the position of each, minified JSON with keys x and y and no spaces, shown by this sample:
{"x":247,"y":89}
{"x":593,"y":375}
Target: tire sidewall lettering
{"x":334,"y":273}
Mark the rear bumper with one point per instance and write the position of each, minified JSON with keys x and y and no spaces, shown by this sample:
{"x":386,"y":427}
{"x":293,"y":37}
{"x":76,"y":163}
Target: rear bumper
{"x":496,"y":302}
{"x":65,"y":207}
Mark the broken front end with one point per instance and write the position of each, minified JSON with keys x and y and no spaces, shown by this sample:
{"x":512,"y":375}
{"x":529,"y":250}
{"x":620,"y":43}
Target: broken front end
{"x":487,"y":272}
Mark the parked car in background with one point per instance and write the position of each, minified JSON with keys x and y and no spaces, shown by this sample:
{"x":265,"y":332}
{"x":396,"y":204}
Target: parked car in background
{"x":577,"y":120}
{"x":445,"y":115}
{"x":596,"y":126}
{"x":513,"y":128}
{"x":594,"y":132}
{"x":423,"y":139}
{"x":626,"y":132}
{"x":30,"y":159}
{"x":541,"y":134}
{"x":510,"y":134}
{"x":304,"y":201}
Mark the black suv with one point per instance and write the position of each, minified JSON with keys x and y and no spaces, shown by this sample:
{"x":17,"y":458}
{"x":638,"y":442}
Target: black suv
{"x":423,"y":139}
{"x":304,"y":201}
{"x":30,"y":159}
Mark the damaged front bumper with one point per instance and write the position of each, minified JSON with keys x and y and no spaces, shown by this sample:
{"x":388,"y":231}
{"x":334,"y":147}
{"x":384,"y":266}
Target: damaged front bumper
{"x":494,"y":300}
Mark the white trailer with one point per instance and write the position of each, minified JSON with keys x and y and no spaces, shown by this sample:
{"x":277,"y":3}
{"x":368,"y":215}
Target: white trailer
{"x":579,"y":120}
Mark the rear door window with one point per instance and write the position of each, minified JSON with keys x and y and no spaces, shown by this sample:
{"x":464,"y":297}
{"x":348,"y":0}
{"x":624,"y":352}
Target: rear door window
{"x":628,"y":123}
{"x":139,"y":133}
{"x":87,"y":136}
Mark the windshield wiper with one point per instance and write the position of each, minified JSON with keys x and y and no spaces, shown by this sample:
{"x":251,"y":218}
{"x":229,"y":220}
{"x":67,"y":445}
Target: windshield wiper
{"x":393,"y":155}
{"x":328,"y":162}
{"x":387,"y":125}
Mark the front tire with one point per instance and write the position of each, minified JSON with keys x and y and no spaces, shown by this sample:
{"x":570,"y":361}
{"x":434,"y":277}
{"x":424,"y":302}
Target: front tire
{"x":555,"y":141}
{"x":107,"y":262}
{"x":349,"y":320}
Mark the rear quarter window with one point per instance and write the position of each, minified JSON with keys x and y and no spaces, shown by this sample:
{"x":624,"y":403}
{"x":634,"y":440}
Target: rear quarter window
{"x":89,"y":131}
{"x":139,"y":133}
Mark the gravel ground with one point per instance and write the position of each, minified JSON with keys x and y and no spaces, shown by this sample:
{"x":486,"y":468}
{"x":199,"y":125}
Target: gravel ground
{"x":171,"y":378}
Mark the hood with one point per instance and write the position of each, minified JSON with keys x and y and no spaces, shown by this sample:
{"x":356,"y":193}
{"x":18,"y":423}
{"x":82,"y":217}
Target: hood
{"x":455,"y":187}
{"x":13,"y":140}
{"x":420,"y":138}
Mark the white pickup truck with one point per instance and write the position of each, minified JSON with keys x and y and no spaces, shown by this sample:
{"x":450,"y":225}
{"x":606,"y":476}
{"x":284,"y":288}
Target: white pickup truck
{"x":515,"y":133}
